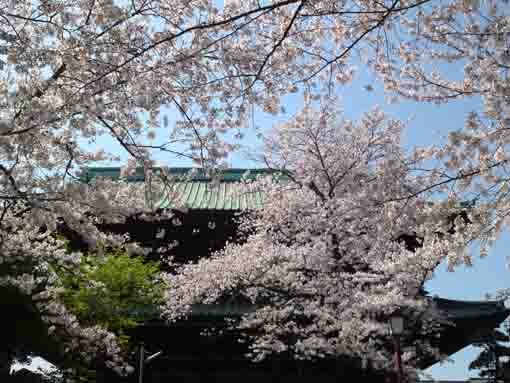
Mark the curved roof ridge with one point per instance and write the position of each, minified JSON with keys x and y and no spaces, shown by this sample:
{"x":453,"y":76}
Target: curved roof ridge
{"x":201,"y":174}
{"x":469,"y":302}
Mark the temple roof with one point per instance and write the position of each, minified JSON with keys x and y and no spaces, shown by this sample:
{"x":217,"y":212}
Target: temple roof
{"x":196,"y":190}
{"x":199,"y":195}
{"x":197,"y":174}
{"x":471,"y":321}
{"x":455,"y":310}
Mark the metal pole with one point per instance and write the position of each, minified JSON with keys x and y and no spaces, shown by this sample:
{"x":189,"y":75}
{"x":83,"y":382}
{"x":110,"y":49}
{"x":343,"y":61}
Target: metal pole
{"x":398,"y":359}
{"x":141,"y":362}
{"x":496,"y":364}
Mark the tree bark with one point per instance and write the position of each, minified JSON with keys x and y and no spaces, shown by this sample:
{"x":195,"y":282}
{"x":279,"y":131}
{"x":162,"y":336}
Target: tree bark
{"x":5,"y":365}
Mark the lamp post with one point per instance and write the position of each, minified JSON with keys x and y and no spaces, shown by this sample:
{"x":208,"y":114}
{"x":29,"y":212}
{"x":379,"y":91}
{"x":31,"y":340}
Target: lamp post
{"x":396,"y":330}
{"x":142,"y":361}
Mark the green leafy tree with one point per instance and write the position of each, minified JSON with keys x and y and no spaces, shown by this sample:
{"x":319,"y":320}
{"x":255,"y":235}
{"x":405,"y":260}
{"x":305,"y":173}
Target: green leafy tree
{"x":115,"y":291}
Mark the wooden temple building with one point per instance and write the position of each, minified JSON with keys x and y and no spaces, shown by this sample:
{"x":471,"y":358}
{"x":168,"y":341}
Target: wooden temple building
{"x":188,"y":356}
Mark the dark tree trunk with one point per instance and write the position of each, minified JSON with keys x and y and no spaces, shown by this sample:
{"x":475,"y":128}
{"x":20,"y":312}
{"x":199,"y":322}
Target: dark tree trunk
{"x":5,"y":365}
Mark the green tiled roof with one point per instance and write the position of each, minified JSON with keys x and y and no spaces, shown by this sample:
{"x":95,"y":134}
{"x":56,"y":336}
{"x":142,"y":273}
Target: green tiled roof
{"x":199,"y":192}
{"x":205,"y":195}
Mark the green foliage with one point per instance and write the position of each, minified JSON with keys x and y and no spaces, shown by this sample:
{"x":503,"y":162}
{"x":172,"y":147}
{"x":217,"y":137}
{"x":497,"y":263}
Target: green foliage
{"x":115,"y":291}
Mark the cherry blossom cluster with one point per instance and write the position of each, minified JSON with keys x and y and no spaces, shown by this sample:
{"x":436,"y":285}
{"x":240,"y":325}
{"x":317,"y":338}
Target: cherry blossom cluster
{"x":325,"y":261}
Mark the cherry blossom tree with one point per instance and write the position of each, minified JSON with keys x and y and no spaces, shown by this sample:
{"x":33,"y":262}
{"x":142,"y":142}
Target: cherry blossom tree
{"x":76,"y":70}
{"x":329,"y":257}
